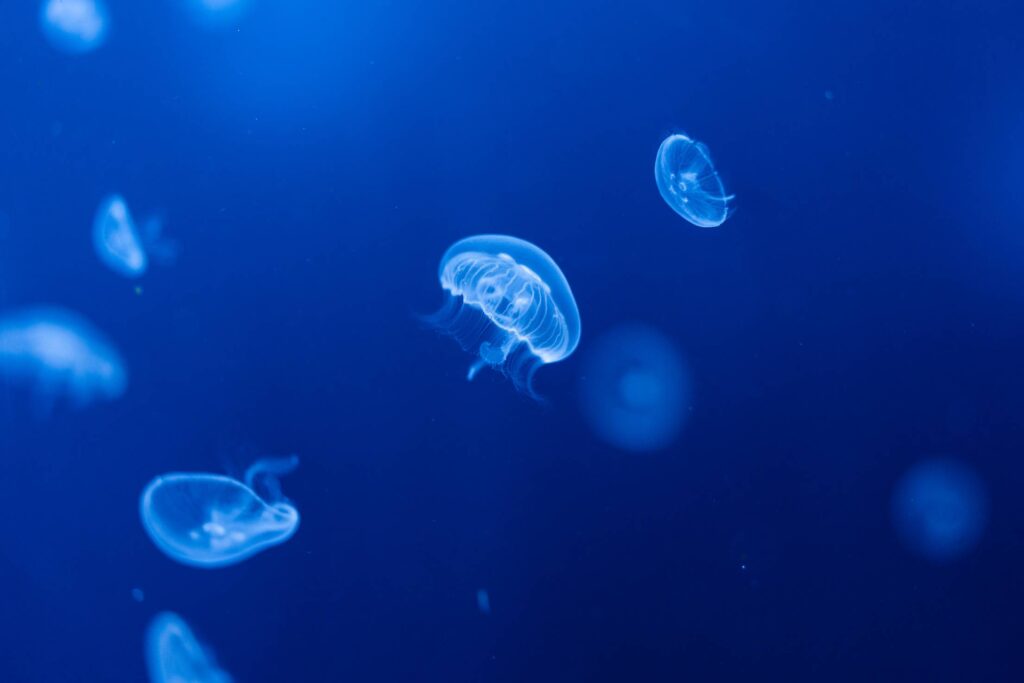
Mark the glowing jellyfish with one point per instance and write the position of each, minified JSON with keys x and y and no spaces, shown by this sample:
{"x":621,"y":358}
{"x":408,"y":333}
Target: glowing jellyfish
{"x":689,"y":183}
{"x":507,"y":301}
{"x":121,"y":246}
{"x":60,"y":355}
{"x":940,"y":509}
{"x":174,"y":655}
{"x":211,"y":520}
{"x":636,"y":389}
{"x":74,"y":26}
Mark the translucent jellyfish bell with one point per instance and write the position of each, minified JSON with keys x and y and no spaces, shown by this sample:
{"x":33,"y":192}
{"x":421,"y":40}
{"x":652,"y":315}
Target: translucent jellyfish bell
{"x":689,"y":183}
{"x":635,"y":388}
{"x":174,"y":655}
{"x":74,"y":26}
{"x":121,"y":246}
{"x":60,"y":355}
{"x":211,"y":520}
{"x":507,"y":301}
{"x":214,"y":13}
{"x":940,"y":509}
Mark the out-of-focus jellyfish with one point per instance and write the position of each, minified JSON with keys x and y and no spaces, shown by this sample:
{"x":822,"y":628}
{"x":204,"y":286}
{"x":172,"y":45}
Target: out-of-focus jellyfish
{"x":174,"y":655}
{"x":60,"y":355}
{"x":214,"y":13}
{"x":121,"y":246}
{"x":635,"y":389}
{"x":483,"y":601}
{"x":211,"y":520}
{"x":507,"y":301}
{"x":940,"y":509}
{"x":74,"y":26}
{"x":689,"y":183}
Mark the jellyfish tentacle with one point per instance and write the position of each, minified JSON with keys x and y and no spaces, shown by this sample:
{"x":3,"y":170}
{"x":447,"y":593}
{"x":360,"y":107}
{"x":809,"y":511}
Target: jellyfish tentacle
{"x":266,"y":471}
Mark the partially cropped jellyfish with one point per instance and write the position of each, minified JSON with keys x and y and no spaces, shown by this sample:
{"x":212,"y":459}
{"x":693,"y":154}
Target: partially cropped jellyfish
{"x":635,"y":389}
{"x":74,"y":26}
{"x":59,"y":355}
{"x":689,"y":183}
{"x":124,"y":248}
{"x":508,"y":302}
{"x":174,"y":655}
{"x":212,"y":520}
{"x":940,"y":509}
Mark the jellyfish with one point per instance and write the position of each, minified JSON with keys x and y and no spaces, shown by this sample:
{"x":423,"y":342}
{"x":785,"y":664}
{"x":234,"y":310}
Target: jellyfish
{"x":211,"y":520}
{"x":60,"y":355}
{"x":74,"y":26}
{"x":635,"y":388}
{"x":940,"y":509}
{"x":508,"y":302}
{"x":174,"y":655}
{"x":689,"y":183}
{"x":123,"y":248}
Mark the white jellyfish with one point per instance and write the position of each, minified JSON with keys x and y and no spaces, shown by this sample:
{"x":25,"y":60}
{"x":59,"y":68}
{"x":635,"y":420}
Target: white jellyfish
{"x":60,"y":355}
{"x":211,"y":520}
{"x":121,"y":246}
{"x":175,"y":655}
{"x":74,"y":26}
{"x":689,"y":183}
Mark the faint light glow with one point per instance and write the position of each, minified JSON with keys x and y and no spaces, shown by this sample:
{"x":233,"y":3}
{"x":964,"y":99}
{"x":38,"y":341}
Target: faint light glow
{"x":483,"y":601}
{"x":635,"y":388}
{"x":74,"y":26}
{"x":214,"y":13}
{"x":940,"y":509}
{"x":138,"y":595}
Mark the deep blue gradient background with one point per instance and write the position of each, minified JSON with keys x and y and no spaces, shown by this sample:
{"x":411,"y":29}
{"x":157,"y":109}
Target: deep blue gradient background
{"x":860,"y":311}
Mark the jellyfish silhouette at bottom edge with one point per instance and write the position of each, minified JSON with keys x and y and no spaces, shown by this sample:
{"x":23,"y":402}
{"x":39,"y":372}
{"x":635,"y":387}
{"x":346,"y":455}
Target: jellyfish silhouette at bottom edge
{"x":212,"y":520}
{"x":507,"y":301}
{"x":174,"y":655}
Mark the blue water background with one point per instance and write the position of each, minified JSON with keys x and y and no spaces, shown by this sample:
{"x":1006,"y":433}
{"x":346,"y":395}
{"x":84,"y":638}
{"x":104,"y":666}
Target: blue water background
{"x":860,"y":311}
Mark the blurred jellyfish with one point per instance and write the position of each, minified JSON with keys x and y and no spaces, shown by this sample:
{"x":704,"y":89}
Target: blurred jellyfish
{"x":689,"y":183}
{"x":122,"y":247}
{"x":60,"y":355}
{"x":173,"y":655}
{"x":507,"y":301}
{"x":635,"y":389}
{"x":940,"y":509}
{"x":74,"y":26}
{"x":214,"y":13}
{"x":211,"y":520}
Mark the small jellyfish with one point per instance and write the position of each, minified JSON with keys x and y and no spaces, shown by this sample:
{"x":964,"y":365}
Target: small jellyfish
{"x":689,"y":183}
{"x":635,"y":388}
{"x":508,"y":302}
{"x":123,"y":248}
{"x":211,"y":520}
{"x":940,"y":509}
{"x":483,"y":602}
{"x":174,"y":655}
{"x":60,"y":355}
{"x":74,"y":26}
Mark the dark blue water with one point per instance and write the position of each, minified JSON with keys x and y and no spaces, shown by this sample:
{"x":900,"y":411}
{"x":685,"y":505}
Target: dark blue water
{"x":860,"y":311}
